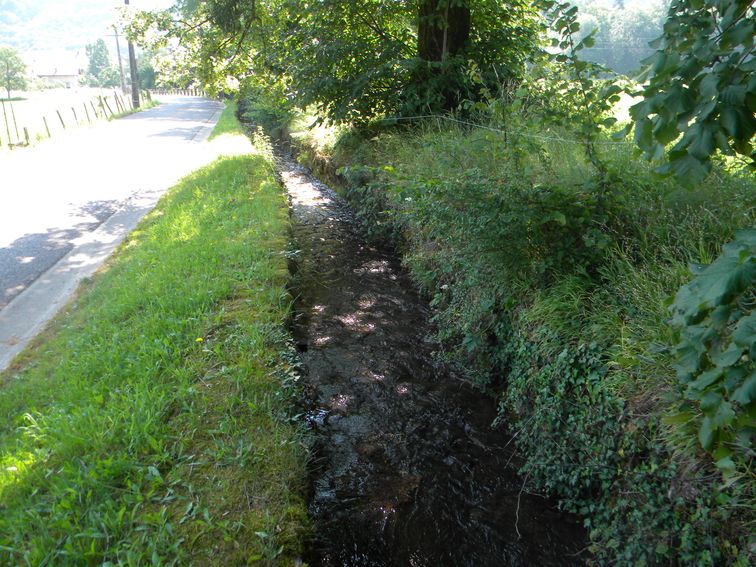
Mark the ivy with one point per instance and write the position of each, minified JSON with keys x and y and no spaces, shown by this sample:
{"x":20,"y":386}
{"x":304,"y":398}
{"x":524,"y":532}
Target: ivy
{"x":715,"y":355}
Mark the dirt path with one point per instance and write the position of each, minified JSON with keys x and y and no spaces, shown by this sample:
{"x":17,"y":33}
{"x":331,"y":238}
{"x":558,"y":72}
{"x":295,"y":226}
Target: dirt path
{"x":408,"y":469}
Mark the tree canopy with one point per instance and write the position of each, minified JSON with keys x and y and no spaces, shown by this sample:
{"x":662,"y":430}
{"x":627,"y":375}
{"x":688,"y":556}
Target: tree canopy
{"x":354,"y":60}
{"x":99,"y":59}
{"x":100,"y":72}
{"x":12,"y":70}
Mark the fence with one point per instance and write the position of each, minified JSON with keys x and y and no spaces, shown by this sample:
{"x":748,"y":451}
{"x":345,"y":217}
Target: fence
{"x":181,"y":92}
{"x":22,"y":128}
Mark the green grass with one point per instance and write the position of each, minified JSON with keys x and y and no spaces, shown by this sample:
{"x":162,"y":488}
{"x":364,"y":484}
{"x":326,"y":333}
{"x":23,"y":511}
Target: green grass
{"x":227,"y":123}
{"x":150,"y":423}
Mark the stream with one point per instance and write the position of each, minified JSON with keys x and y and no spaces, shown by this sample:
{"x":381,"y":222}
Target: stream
{"x":407,"y":468}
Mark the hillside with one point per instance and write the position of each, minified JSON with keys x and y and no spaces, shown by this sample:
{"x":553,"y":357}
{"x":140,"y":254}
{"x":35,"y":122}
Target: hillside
{"x":47,"y":25}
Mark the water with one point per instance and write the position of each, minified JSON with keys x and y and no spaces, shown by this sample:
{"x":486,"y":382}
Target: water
{"x":408,"y":470}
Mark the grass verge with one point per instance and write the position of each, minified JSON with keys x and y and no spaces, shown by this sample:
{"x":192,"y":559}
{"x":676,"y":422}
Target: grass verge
{"x":227,"y":123}
{"x":150,"y":423}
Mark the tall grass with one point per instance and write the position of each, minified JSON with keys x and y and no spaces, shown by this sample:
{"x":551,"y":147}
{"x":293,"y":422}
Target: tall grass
{"x":552,"y":294}
{"x":149,"y":424}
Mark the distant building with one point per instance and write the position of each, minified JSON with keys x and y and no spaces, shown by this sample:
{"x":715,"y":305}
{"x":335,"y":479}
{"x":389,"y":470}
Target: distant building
{"x":58,"y":69}
{"x":64,"y":78}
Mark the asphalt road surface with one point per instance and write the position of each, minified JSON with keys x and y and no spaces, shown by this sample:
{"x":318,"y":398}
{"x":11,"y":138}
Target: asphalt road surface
{"x":66,"y":204}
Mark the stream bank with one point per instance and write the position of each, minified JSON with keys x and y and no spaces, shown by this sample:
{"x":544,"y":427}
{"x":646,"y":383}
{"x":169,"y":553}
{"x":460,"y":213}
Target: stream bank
{"x":407,"y":469}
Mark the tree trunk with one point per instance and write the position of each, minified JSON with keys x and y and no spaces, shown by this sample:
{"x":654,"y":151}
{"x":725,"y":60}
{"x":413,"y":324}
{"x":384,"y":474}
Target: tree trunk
{"x":443,"y":28}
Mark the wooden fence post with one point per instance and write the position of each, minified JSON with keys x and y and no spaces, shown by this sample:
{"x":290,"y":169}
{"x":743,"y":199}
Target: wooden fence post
{"x":91,"y":103}
{"x":7,"y":128}
{"x":61,"y":119}
{"x":26,"y":135}
{"x":105,"y":100}
{"x":46,"y":127}
{"x":76,"y":118}
{"x":87,"y":113}
{"x":15,"y":126}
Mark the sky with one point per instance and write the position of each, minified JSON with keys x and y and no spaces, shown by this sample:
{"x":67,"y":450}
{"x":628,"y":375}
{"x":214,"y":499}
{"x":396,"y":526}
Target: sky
{"x":59,"y":29}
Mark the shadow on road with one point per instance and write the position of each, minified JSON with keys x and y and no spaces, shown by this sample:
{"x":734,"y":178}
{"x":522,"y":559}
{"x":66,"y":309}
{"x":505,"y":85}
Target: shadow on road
{"x":28,"y":257}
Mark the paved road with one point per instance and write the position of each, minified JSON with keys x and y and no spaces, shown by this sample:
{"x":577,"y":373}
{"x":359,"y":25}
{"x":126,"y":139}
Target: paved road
{"x":66,"y":204}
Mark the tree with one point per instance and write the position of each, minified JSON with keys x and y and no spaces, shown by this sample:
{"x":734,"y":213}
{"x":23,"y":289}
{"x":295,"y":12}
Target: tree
{"x":12,"y":70}
{"x":146,"y":72}
{"x":701,"y":94}
{"x":99,"y":59}
{"x":443,"y":28}
{"x":361,"y":59}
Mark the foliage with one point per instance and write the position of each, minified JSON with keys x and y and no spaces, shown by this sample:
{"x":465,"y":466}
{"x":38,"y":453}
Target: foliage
{"x":100,"y":73}
{"x":353,"y":60}
{"x":702,"y":86}
{"x":188,"y":49}
{"x":146,"y":71}
{"x":12,"y":70}
{"x":561,"y":316}
{"x":715,"y":317}
{"x":585,"y":98}
{"x":622,"y":33}
{"x":271,"y":111}
{"x":151,"y":423}
{"x":98,"y":56}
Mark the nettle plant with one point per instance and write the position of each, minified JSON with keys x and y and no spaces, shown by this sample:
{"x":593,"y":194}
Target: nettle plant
{"x":714,"y":315}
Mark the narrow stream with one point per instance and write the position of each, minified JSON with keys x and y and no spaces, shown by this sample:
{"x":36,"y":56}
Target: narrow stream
{"x":408,"y":470}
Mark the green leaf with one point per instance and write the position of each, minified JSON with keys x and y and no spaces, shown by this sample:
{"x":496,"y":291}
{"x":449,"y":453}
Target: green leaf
{"x":725,"y":463}
{"x":728,"y":357}
{"x":744,"y":334}
{"x":746,"y":394}
{"x":706,"y":379}
{"x":666,"y":131}
{"x":644,"y":134}
{"x":689,"y":170}
{"x":709,"y":86}
{"x":724,"y":415}
{"x":622,"y":134}
{"x":728,"y":117}
{"x":706,"y":434}
{"x":734,"y":95}
{"x":703,"y":145}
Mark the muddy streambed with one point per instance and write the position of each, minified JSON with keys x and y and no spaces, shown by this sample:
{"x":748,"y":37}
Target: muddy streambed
{"x":407,"y":469}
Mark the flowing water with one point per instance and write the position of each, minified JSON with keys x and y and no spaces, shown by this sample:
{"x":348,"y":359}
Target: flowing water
{"x":408,"y":470}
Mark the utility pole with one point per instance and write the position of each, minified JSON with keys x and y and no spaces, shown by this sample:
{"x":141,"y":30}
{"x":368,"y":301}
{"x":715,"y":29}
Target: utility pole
{"x":134,"y":75}
{"x":120,"y":61}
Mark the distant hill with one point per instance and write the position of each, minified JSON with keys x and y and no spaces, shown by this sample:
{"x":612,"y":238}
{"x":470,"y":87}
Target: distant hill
{"x":53,"y":25}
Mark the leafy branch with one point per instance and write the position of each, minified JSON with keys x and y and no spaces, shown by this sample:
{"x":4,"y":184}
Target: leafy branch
{"x":701,"y":94}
